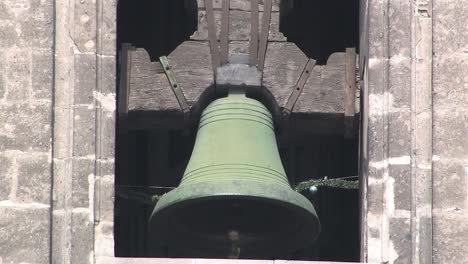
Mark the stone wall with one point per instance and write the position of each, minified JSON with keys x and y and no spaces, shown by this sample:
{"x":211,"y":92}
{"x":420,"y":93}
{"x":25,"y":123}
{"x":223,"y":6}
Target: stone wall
{"x":450,"y":131}
{"x":84,"y":129}
{"x":26,"y":101}
{"x":57,"y":104}
{"x":414,"y":56}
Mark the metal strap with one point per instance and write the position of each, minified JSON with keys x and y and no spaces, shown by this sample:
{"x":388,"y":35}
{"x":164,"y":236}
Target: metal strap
{"x":265,"y":33}
{"x":225,"y":33}
{"x":299,"y":86}
{"x":214,"y":47}
{"x":253,"y":32}
{"x":174,"y":85}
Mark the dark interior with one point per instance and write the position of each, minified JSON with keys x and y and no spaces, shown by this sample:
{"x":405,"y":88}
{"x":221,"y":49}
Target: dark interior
{"x":151,"y":162}
{"x":320,"y":28}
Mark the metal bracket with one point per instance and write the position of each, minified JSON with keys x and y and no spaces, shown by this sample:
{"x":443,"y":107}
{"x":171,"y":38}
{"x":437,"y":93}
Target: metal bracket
{"x":297,"y":90}
{"x":175,"y":86}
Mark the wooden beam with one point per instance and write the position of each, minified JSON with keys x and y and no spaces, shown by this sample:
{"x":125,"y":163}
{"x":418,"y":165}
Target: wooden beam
{"x":124,"y":84}
{"x":152,"y":102}
{"x":225,"y":33}
{"x":350,"y":91}
{"x":214,"y":47}
{"x":265,"y":33}
{"x":254,"y":32}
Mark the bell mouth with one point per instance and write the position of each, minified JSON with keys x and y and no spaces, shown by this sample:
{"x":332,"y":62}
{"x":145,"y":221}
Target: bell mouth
{"x":268,"y":224}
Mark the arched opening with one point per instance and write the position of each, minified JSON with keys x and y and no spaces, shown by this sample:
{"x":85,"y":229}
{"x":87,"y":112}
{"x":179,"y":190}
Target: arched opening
{"x":152,"y":161}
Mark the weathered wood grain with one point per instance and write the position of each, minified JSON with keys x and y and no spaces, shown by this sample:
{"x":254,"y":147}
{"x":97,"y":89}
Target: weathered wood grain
{"x":254,"y":14}
{"x":224,"y":44}
{"x":321,"y":98}
{"x":324,"y":92}
{"x":239,"y":29}
{"x":212,"y":36}
{"x":283,"y":67}
{"x":149,"y":88}
{"x":242,"y":5}
{"x":265,"y":33}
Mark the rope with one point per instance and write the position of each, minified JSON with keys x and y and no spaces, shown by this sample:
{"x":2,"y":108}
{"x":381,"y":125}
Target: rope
{"x":141,"y":194}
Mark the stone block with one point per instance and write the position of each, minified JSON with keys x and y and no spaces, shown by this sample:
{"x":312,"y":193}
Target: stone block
{"x":104,"y":240}
{"x":400,"y":240}
{"x":60,"y":243}
{"x":84,"y":31}
{"x":32,"y":22}
{"x":2,"y":79}
{"x":450,"y":230}
{"x":17,"y":74}
{"x":107,"y":74}
{"x":82,"y":239}
{"x":106,"y":198}
{"x":105,"y":167}
{"x":84,"y":138}
{"x":85,"y":78}
{"x":450,"y":83}
{"x":24,"y":236}
{"x":37,"y":30}
{"x":5,"y":177}
{"x":399,"y":134}
{"x":376,"y":28}
{"x":375,"y":71}
{"x":82,"y":182}
{"x":374,"y":193}
{"x":450,"y":133}
{"x":11,"y":9}
{"x":8,"y":34}
{"x":62,"y":170}
{"x":28,"y":126}
{"x":108,"y":28}
{"x":42,"y":74}
{"x":401,"y":175}
{"x":399,"y":17}
{"x":375,"y":139}
{"x":34,"y":178}
{"x":449,"y":27}
{"x":61,"y":124}
{"x":449,"y":191}
{"x":425,"y":233}
{"x":107,"y":135}
{"x":399,"y":82}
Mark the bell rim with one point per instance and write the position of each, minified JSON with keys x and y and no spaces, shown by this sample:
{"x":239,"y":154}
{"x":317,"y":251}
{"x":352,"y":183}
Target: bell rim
{"x":279,"y":195}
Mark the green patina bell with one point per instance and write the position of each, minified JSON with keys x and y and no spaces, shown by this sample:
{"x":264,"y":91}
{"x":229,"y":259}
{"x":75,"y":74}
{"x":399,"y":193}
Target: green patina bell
{"x":234,"y":199}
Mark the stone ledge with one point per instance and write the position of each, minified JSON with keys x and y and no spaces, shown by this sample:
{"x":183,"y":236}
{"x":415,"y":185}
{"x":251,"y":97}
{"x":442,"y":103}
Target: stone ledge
{"x":110,"y":260}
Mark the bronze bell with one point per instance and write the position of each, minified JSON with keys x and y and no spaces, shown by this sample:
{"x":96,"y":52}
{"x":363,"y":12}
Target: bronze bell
{"x":234,"y":200}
